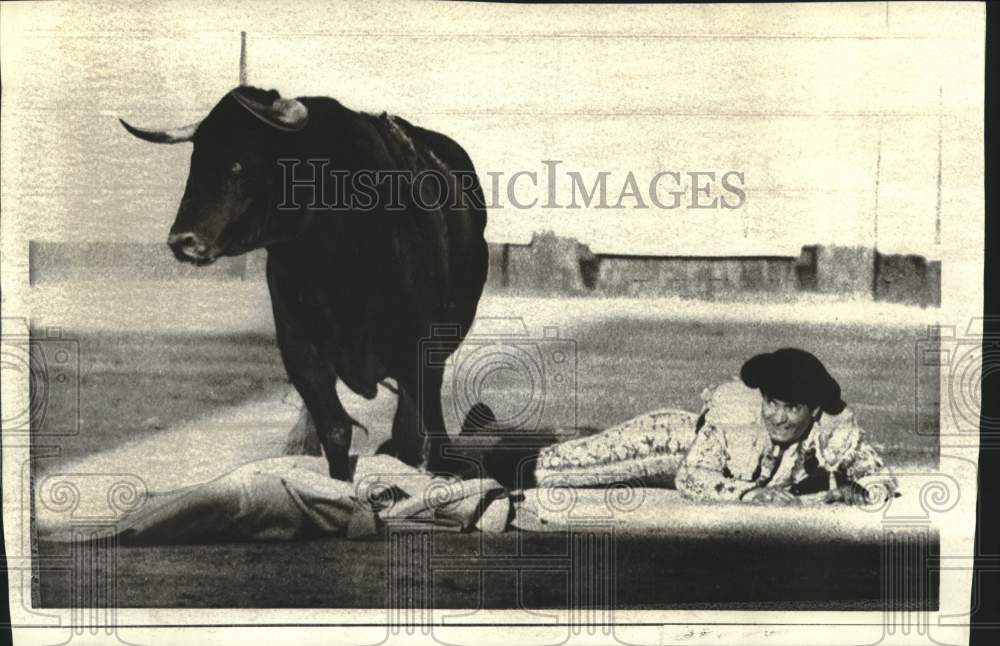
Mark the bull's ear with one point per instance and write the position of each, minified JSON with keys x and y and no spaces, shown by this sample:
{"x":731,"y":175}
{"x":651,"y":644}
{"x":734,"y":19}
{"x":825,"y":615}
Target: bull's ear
{"x":283,"y":114}
{"x":291,"y":113}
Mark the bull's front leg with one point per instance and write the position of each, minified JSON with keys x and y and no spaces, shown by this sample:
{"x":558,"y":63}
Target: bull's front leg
{"x":317,"y":384}
{"x":334,"y":427}
{"x":312,"y":375}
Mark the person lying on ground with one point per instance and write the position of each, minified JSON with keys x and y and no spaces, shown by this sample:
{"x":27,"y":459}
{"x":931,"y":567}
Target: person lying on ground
{"x":778,"y":433}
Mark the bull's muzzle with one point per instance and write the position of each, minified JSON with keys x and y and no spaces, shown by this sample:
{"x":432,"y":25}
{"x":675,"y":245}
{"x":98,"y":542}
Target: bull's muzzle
{"x":190,"y":248}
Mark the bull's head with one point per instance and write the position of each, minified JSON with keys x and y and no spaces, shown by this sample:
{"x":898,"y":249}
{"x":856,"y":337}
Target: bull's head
{"x":227,"y":208}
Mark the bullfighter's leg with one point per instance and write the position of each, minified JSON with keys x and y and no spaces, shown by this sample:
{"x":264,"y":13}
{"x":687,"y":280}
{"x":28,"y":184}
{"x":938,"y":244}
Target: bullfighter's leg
{"x":303,"y":438}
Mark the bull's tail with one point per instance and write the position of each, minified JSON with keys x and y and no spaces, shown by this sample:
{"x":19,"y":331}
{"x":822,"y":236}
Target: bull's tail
{"x":385,"y":383}
{"x":358,"y":425}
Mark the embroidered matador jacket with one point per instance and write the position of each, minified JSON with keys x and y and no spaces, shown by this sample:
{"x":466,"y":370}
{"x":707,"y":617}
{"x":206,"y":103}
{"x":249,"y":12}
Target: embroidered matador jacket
{"x":733,"y":453}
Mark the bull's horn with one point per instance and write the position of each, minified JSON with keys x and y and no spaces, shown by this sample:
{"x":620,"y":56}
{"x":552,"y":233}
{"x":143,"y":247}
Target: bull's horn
{"x":284,"y":114}
{"x":172,"y":136}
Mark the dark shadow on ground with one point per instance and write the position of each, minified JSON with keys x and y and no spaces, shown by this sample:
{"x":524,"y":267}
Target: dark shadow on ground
{"x":591,"y":567}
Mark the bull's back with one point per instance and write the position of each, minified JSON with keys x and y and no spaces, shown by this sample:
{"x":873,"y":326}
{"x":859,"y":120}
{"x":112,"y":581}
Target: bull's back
{"x":468,"y":253}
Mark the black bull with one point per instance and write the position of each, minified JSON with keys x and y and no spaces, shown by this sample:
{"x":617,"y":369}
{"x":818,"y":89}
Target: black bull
{"x":360,"y":292}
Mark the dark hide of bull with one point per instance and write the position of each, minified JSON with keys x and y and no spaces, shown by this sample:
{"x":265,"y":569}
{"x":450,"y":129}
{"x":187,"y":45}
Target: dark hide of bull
{"x":358,"y":294}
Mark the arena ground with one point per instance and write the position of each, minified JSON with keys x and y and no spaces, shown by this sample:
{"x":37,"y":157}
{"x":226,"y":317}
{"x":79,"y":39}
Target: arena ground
{"x":178,"y":408}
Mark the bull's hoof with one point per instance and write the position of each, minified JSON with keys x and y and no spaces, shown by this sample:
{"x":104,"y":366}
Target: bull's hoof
{"x":344,"y":469}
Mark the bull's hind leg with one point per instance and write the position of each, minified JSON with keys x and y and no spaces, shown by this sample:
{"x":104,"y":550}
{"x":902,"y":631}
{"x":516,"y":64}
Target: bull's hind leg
{"x":418,"y":442}
{"x":405,"y":441}
{"x":405,"y":428}
{"x":434,"y":441}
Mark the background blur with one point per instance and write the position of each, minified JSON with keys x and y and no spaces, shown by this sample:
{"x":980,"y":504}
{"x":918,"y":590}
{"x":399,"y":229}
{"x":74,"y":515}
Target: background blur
{"x":855,"y":135}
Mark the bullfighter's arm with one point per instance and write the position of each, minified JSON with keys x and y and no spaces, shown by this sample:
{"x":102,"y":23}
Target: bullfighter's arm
{"x":864,"y":467}
{"x":703,"y":474}
{"x":857,"y":463}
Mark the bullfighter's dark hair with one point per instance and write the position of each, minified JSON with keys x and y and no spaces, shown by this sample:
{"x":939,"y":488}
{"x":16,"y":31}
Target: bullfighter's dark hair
{"x":794,"y":376}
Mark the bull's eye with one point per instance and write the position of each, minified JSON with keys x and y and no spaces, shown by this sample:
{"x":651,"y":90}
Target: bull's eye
{"x":237,"y":168}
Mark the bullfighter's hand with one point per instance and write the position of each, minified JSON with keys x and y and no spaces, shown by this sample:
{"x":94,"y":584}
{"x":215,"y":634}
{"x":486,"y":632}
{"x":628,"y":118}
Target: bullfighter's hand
{"x":849,"y":494}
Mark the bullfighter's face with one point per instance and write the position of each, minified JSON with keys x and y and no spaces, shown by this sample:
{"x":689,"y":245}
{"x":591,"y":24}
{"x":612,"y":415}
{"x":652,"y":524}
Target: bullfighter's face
{"x":786,"y":422}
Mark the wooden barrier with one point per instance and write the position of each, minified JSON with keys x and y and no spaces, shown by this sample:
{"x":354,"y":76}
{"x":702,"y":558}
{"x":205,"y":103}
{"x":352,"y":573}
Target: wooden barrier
{"x":555,"y":265}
